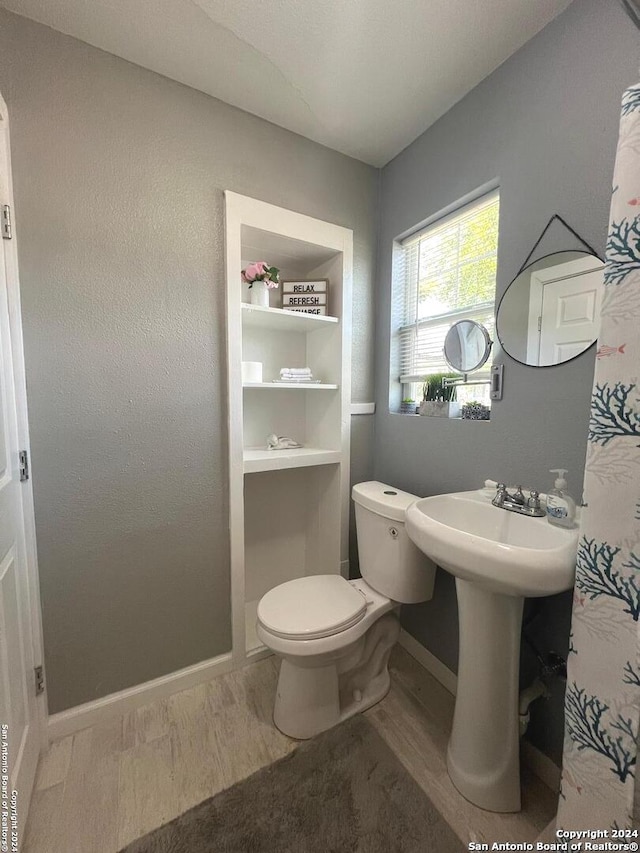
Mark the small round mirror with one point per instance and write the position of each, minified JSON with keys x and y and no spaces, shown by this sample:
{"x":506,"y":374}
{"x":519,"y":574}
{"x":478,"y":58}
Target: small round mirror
{"x":550,"y":313}
{"x":467,"y":346}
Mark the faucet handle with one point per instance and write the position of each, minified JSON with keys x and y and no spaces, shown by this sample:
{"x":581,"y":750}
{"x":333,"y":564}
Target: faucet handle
{"x":501,"y":493}
{"x":518,"y":497}
{"x":534,"y":499}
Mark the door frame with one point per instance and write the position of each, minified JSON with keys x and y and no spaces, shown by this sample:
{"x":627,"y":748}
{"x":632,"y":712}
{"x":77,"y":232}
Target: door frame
{"x":17,"y":352}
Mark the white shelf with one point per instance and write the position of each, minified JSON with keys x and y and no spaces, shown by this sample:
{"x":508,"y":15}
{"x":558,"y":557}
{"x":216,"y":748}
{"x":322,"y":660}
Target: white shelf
{"x":283,"y":320}
{"x":258,"y":459}
{"x":299,"y":386}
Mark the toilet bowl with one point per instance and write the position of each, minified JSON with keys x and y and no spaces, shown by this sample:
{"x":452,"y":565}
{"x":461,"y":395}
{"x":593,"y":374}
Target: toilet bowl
{"x":335,"y":636}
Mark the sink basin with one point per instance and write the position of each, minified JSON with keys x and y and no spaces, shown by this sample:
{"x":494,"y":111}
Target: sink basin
{"x":497,"y":558}
{"x":505,"y":552}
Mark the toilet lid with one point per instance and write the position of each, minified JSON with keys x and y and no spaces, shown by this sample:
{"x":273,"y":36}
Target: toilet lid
{"x":312,"y":607}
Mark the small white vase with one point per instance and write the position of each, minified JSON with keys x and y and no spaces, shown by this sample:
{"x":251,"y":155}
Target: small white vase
{"x":259,"y":294}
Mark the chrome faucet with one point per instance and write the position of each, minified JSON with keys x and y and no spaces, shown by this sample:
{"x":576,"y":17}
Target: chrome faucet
{"x":517,"y":502}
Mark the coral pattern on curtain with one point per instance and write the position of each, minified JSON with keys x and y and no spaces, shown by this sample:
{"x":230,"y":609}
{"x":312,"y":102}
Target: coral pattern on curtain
{"x":602,"y":701}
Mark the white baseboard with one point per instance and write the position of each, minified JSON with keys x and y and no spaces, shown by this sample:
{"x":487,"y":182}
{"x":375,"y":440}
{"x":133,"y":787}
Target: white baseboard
{"x":82,"y":716}
{"x":429,"y":661}
{"x":261,"y":653}
{"x":544,"y":768}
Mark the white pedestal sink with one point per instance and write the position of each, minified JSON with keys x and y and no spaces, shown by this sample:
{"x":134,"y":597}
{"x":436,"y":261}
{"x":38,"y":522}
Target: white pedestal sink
{"x":498,"y":558}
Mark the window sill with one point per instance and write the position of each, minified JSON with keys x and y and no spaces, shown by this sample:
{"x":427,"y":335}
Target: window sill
{"x":436,"y":418}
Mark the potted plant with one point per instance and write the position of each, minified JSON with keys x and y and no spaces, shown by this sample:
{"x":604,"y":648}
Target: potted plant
{"x":408,"y":407}
{"x":475,"y":411}
{"x":438,"y":399}
{"x":261,"y":278}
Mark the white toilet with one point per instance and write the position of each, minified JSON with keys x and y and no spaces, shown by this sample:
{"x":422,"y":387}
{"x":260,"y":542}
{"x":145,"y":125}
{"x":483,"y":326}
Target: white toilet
{"x":335,"y":636}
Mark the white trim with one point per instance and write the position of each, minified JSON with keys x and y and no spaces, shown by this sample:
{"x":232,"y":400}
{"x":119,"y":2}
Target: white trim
{"x":82,"y":716}
{"x":487,"y":192}
{"x":233,"y":262}
{"x":254,"y":655}
{"x":261,"y":214}
{"x":544,"y":768}
{"x":363,"y":408}
{"x":429,"y":661}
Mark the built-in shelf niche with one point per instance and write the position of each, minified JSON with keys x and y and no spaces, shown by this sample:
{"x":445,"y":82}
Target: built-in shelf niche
{"x":288,"y":509}
{"x":296,"y":259}
{"x":308,"y":416}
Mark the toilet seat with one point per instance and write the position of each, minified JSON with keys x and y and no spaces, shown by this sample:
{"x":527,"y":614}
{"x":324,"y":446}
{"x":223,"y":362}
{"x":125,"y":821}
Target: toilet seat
{"x":312,"y":607}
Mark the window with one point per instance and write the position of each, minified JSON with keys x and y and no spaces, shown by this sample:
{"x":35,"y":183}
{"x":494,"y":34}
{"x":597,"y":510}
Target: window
{"x":444,"y":273}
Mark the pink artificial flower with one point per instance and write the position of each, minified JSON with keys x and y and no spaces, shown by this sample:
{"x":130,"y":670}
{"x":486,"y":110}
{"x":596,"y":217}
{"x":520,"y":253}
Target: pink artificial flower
{"x":262,"y":272}
{"x":254,"y":271}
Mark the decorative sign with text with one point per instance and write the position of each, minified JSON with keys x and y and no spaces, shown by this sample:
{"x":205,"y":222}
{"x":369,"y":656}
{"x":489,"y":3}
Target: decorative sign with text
{"x":308,"y":297}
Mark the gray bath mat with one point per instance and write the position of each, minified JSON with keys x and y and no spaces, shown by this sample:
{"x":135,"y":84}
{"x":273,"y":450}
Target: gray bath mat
{"x":342,"y":792}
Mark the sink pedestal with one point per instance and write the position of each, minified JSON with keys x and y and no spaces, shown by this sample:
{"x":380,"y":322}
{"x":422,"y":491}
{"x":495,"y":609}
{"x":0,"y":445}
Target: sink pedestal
{"x":497,"y":558}
{"x":483,"y":757}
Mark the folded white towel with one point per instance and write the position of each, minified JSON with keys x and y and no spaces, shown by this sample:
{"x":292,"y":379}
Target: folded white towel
{"x":296,"y":371}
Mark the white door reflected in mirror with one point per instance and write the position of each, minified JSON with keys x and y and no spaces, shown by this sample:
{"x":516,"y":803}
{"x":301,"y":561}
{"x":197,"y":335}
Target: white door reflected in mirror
{"x":550,"y":313}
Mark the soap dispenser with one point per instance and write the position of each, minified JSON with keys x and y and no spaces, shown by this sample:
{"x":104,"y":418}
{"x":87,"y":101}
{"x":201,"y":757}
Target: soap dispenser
{"x":561,"y":507}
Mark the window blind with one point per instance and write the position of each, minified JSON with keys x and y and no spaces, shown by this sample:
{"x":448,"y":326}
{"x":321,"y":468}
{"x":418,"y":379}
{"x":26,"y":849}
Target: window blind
{"x":447,"y":272}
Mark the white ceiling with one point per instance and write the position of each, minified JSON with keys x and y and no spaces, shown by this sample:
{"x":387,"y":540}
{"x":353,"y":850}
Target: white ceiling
{"x":364,"y":77}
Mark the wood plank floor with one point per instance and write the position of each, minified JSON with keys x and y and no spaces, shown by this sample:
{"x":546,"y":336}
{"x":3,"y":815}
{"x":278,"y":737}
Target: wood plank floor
{"x":103,"y":787}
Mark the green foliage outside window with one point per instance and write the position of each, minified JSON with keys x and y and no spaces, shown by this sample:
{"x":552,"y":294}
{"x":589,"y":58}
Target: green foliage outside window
{"x":457,"y":267}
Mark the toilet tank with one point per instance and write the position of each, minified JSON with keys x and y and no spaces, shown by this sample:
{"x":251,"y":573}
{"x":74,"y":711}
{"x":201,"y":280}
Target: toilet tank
{"x":389,"y":561}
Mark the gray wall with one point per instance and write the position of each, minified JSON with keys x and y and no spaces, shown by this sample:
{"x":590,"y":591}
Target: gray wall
{"x":545,"y":124}
{"x":118,"y":178}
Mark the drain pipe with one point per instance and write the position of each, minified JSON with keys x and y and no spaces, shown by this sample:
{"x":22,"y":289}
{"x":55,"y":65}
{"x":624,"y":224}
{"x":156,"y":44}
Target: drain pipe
{"x":528,"y":696}
{"x":550,"y":666}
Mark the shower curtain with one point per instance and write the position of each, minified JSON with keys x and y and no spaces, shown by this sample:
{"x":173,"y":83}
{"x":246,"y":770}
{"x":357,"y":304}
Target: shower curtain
{"x":602,"y":701}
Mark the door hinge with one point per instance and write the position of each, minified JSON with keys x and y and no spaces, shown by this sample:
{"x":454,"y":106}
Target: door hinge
{"x":539,"y":324}
{"x":39,"y":676}
{"x":6,"y":222}
{"x":23,"y":458}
